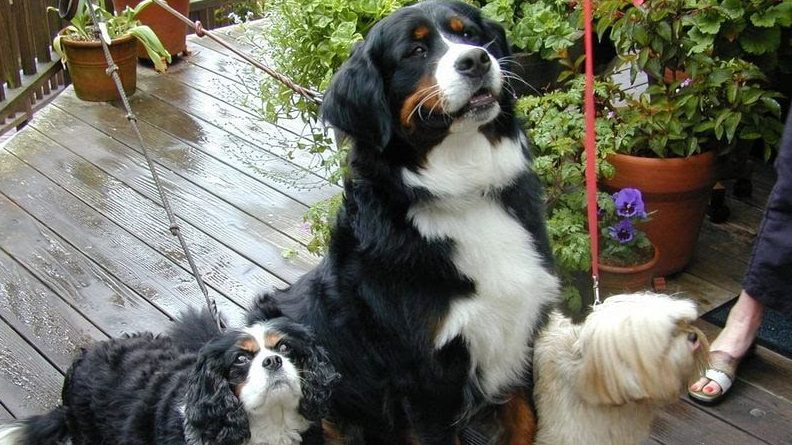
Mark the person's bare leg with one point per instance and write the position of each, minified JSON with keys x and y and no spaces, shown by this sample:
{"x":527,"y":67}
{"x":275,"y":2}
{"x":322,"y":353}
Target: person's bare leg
{"x":736,"y":337}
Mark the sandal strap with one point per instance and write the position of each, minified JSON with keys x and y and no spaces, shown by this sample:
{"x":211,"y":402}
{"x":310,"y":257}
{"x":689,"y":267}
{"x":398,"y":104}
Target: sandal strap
{"x":723,"y":379}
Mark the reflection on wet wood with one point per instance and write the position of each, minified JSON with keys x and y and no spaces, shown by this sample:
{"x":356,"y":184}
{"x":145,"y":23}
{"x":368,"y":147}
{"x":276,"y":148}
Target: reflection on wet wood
{"x":28,"y":384}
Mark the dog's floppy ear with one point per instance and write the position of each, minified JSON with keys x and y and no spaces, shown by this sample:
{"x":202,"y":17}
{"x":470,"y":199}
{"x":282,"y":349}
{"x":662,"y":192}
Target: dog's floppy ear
{"x":213,"y":414}
{"x":265,"y":307}
{"x":499,"y":47}
{"x":318,"y":378}
{"x":355,"y":102}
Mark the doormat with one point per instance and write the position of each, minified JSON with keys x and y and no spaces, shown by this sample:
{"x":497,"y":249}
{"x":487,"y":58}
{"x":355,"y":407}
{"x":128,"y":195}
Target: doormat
{"x":775,"y":332}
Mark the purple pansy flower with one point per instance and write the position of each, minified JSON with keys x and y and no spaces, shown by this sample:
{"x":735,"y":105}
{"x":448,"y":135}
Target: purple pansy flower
{"x":629,"y":203}
{"x":623,"y":231}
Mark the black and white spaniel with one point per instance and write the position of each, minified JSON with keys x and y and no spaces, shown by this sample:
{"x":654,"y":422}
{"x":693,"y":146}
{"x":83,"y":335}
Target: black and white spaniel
{"x":266,"y":384}
{"x":439,"y":271}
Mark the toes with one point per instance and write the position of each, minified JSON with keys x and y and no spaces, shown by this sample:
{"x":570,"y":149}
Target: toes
{"x":712,"y":388}
{"x":699,"y":384}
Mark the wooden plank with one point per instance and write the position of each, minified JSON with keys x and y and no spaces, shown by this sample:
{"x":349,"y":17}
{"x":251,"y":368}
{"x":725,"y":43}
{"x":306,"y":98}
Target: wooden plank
{"x":756,"y":412}
{"x":10,"y":44}
{"x":707,"y":295}
{"x":28,"y":383}
{"x":216,"y":103}
{"x":82,"y":232}
{"x":684,"y":424}
{"x":40,"y":29}
{"x":223,"y":269}
{"x":247,"y":235}
{"x":42,"y":318}
{"x":198,"y":120}
{"x":25,"y":24}
{"x":263,"y":202}
{"x":84,"y":285}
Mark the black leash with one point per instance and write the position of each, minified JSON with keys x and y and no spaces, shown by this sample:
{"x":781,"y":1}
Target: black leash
{"x":68,"y":8}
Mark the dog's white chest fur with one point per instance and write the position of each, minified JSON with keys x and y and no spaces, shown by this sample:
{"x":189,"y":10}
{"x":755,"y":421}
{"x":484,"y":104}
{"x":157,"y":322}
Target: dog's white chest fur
{"x":492,"y":249}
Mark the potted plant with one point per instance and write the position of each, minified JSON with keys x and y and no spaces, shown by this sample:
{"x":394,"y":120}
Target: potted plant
{"x":81,"y":51}
{"x":171,"y":31}
{"x":697,"y":106}
{"x":554,"y":124}
{"x":627,"y":258}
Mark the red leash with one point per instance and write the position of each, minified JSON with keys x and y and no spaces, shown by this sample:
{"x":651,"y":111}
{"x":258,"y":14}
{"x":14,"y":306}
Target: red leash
{"x":591,"y":149}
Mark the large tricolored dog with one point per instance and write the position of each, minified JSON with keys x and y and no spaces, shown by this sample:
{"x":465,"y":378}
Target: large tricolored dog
{"x":439,"y":272}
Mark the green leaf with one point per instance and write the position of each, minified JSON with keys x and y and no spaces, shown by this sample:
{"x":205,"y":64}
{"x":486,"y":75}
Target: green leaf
{"x":731,"y":123}
{"x":663,"y":29}
{"x":760,"y":40}
{"x":731,"y":92}
{"x":708,"y":22}
{"x":732,"y":8}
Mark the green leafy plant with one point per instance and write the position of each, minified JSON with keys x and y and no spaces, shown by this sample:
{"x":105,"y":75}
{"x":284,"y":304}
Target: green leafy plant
{"x":697,"y":100}
{"x":82,"y":28}
{"x":554,"y":123}
{"x":547,"y":27}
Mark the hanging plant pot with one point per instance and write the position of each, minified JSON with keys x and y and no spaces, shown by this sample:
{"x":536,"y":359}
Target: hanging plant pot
{"x":87,"y":67}
{"x":171,"y":31}
{"x":625,"y":279}
{"x":676,"y":191}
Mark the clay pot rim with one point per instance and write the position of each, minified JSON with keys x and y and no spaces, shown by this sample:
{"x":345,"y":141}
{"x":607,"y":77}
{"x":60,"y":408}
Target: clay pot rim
{"x":633,"y":269}
{"x":93,"y":43}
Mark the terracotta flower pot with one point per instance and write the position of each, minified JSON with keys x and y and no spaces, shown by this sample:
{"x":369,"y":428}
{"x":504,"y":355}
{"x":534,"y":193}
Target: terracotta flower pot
{"x":171,"y":31}
{"x":624,"y":279}
{"x":87,"y":68}
{"x":677,"y":190}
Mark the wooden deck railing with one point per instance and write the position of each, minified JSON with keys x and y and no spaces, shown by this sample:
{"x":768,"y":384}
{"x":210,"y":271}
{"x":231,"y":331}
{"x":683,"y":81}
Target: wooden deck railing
{"x":30,"y":73}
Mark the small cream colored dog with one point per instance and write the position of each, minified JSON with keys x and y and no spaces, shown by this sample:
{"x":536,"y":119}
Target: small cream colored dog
{"x":601,"y":382}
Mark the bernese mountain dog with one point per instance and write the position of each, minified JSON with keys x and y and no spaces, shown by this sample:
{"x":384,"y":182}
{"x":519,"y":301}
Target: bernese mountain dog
{"x":439,"y":272}
{"x":267,"y":384}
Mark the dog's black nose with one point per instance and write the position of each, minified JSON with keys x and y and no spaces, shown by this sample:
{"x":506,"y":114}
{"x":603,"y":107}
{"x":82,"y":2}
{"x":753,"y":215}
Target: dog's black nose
{"x":273,"y":363}
{"x":474,"y":63}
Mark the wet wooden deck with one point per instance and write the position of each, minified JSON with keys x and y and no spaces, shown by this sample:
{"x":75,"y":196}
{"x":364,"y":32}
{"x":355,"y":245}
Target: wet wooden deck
{"x":85,"y":252}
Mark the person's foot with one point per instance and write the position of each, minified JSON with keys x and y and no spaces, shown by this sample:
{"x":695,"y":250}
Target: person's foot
{"x":735,"y":339}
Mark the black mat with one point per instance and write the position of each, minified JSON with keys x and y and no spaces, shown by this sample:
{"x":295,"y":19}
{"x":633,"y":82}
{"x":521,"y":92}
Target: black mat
{"x":775,"y":332}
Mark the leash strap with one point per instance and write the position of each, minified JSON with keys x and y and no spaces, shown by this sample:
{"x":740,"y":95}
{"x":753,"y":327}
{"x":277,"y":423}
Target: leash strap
{"x":591,"y":150}
{"x":112,"y":71}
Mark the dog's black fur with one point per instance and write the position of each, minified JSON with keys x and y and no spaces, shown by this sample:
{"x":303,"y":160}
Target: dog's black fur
{"x":172,"y":389}
{"x":383,"y":290}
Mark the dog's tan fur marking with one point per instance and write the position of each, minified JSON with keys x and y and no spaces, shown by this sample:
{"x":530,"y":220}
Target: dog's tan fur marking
{"x":249,"y":344}
{"x":518,"y":421}
{"x":425,"y":88}
{"x":421,"y":32}
{"x":456,"y":24}
{"x":272,"y":339}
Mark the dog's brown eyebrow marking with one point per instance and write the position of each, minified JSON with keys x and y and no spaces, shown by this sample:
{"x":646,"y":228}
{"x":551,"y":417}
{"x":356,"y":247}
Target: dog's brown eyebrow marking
{"x":249,"y":344}
{"x":272,"y":339}
{"x":456,"y":24}
{"x":421,"y":32}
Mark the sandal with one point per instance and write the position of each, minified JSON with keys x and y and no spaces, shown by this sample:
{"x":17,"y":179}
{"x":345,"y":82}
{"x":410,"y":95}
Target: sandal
{"x":722,"y":370}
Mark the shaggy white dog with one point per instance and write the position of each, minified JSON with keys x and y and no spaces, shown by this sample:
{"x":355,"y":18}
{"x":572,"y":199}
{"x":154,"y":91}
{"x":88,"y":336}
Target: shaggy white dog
{"x":602,"y":381}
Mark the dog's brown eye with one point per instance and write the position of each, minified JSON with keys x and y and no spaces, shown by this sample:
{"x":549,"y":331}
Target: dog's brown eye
{"x":692,"y":337}
{"x":283,"y":348}
{"x":417,"y":51}
{"x":242,"y":359}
